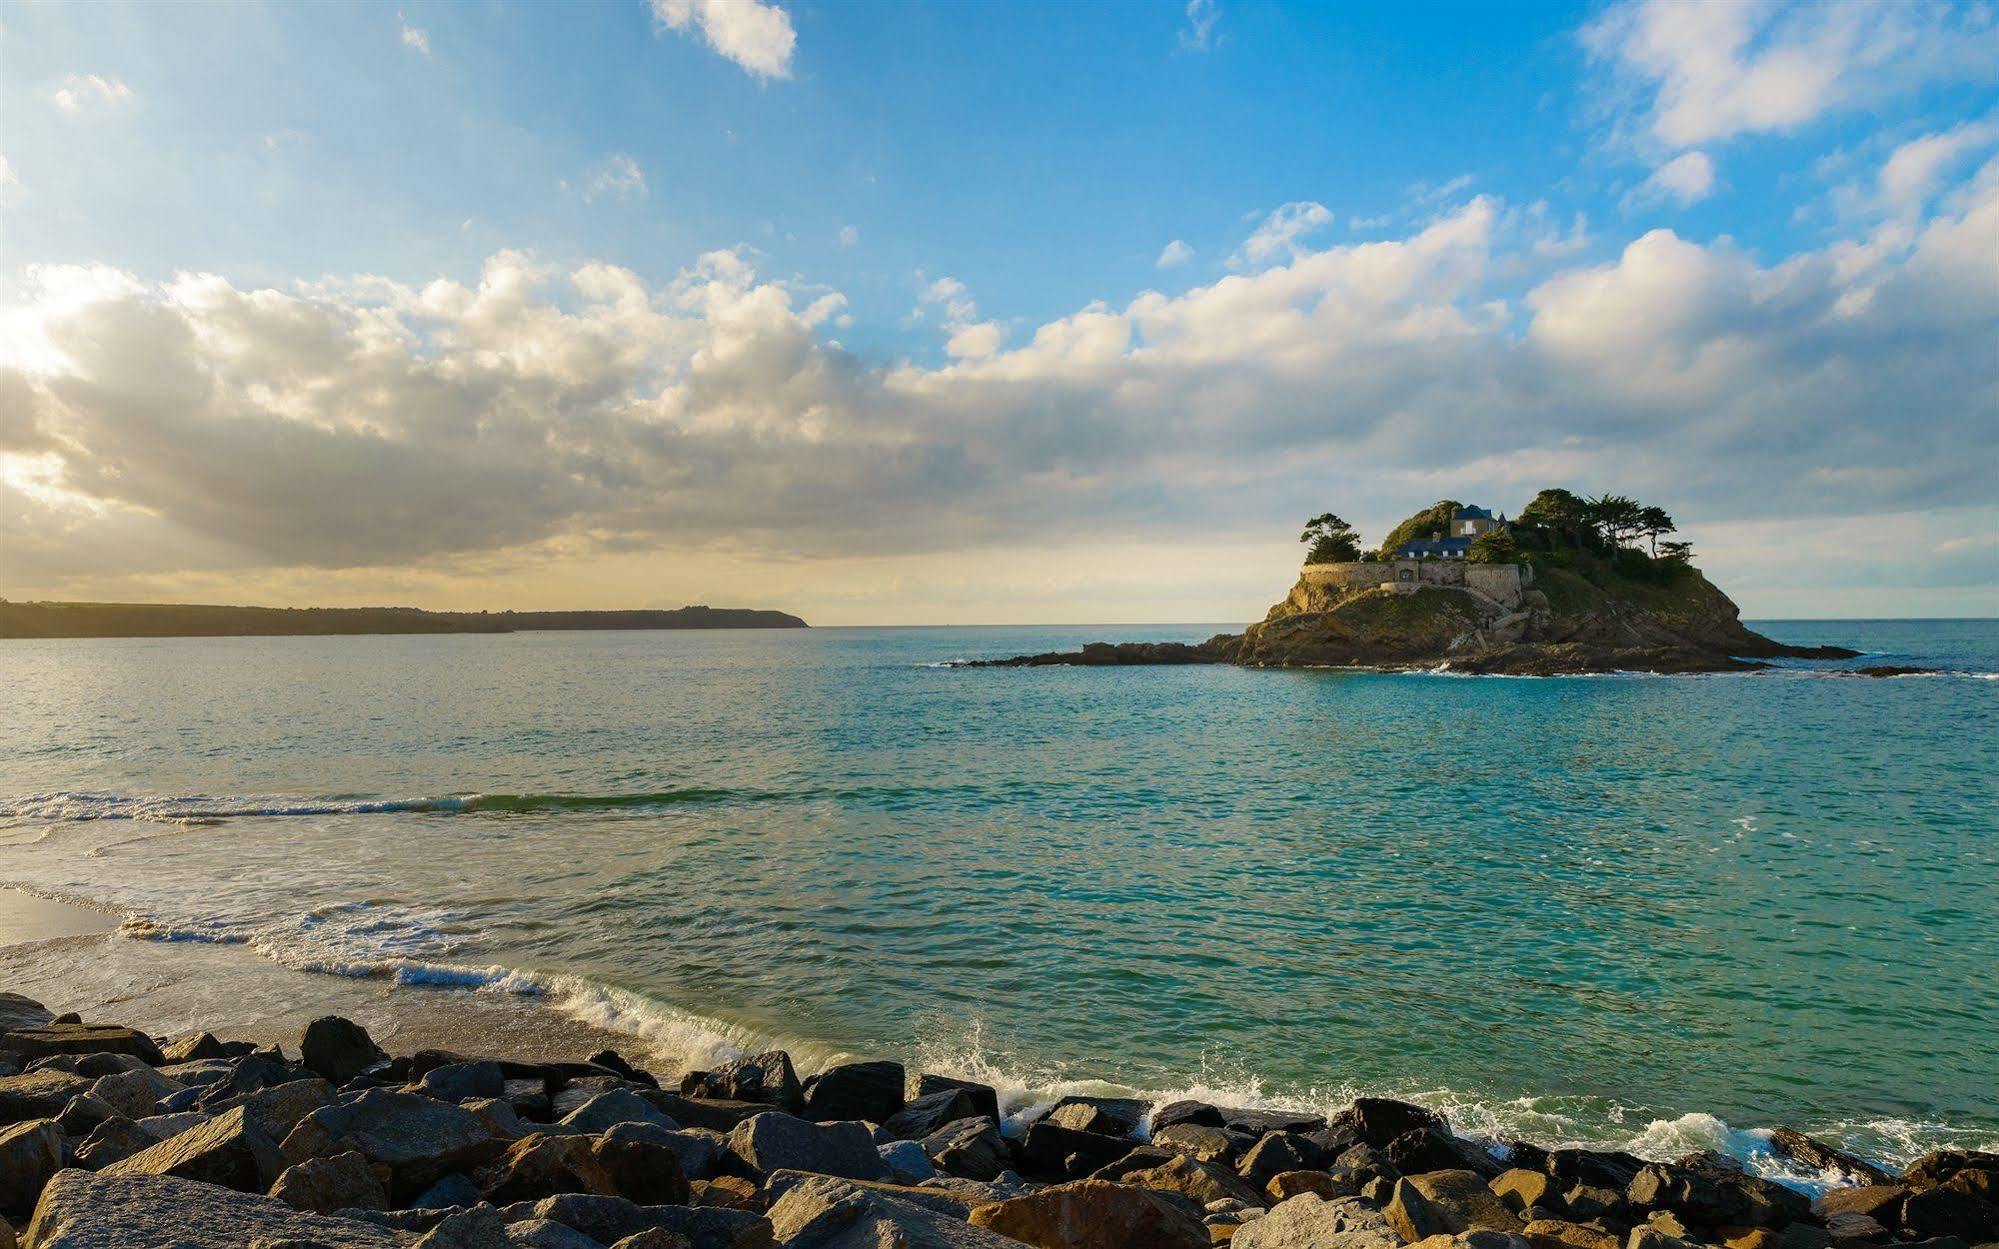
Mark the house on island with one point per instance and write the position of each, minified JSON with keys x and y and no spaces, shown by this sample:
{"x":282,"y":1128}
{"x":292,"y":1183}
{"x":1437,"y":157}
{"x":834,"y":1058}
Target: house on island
{"x":1467,"y":523}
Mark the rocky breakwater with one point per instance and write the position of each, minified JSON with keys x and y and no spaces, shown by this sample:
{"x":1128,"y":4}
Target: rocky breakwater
{"x":111,"y":1139}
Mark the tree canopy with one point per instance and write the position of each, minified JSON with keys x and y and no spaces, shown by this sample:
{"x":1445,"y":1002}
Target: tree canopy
{"x":1332,"y":540}
{"x":1434,"y":519}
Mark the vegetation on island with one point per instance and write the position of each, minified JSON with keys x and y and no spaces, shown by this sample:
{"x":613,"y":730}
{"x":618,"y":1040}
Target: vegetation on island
{"x":1557,"y":529}
{"x":1332,"y":540}
{"x":85,"y":620}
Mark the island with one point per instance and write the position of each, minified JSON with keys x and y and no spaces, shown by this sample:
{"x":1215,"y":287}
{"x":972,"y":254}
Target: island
{"x":1570,"y":585}
{"x":129,"y":620}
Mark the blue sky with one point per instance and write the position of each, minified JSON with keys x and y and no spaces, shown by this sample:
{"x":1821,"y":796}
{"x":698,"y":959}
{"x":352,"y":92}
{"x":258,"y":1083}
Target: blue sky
{"x":1399,"y":252}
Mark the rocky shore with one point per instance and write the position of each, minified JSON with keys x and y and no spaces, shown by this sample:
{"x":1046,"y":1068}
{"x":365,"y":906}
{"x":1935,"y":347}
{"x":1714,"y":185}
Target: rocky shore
{"x":113,"y":1139}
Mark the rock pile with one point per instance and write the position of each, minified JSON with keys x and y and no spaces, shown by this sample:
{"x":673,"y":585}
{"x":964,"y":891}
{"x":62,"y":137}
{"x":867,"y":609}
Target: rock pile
{"x":110,"y":1139}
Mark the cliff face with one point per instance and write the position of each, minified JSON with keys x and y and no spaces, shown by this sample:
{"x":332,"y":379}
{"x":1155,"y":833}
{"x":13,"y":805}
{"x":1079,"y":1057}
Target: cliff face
{"x":1568,"y":622}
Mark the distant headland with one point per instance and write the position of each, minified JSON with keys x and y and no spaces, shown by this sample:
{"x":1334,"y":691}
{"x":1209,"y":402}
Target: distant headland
{"x":129,"y":620}
{"x":1570,"y":585}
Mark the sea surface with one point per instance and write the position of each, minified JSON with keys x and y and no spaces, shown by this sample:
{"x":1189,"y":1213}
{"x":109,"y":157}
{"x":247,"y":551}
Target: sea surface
{"x":1655,"y":912}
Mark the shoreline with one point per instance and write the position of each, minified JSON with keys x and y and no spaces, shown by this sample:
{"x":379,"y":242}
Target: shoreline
{"x":159,"y":984}
{"x":116,"y":1136}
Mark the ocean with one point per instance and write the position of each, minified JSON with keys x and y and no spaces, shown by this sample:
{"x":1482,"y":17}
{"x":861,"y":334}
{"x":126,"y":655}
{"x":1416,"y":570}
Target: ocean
{"x":1652,"y":912}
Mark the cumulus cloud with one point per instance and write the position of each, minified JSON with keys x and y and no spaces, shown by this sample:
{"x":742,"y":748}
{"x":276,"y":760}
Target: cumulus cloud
{"x":1686,"y":179}
{"x":755,"y":35}
{"x":1174,"y":254}
{"x":619,"y":178}
{"x":1916,"y":168}
{"x":87,"y":93}
{"x":1693,"y":72}
{"x":1281,"y":233}
{"x":362,"y":423}
{"x":414,"y":36}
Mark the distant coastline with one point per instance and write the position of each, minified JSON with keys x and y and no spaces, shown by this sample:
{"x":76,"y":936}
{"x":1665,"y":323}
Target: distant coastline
{"x":115,"y":620}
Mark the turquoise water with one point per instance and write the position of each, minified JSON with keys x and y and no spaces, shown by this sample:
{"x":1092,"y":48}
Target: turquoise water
{"x":1611,"y":909}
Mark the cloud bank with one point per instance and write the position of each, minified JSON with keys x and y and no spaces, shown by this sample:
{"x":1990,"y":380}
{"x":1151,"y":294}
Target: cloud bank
{"x":362,"y":423}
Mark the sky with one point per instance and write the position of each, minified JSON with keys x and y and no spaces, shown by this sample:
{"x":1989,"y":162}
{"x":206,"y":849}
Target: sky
{"x":982,"y":313}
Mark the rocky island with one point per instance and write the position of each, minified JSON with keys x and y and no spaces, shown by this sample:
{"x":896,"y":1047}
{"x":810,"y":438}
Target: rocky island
{"x":127,"y":620}
{"x":1561,"y":589}
{"x":111,"y":1138}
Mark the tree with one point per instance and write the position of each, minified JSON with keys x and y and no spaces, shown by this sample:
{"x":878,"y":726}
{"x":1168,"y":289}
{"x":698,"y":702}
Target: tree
{"x":1332,"y":540}
{"x":1616,"y":518}
{"x":1558,"y":512}
{"x":1654,"y":523}
{"x":1494,"y":546}
{"x":1677,"y":554}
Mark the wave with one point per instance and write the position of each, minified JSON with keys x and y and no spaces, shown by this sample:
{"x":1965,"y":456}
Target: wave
{"x":71,"y":806}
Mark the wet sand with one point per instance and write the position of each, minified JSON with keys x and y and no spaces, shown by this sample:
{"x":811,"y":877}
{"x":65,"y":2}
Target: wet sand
{"x":70,"y":958}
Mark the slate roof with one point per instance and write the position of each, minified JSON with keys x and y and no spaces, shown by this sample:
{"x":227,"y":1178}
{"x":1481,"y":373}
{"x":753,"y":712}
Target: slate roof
{"x":1473,"y":512}
{"x":1438,"y":547}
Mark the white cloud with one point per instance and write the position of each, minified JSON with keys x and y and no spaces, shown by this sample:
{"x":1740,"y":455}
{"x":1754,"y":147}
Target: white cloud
{"x":197,"y":425}
{"x":86,"y":93}
{"x":1694,"y":72}
{"x":1174,"y":254}
{"x":1198,"y":34}
{"x":1280,"y":234}
{"x":414,"y":36}
{"x":1369,"y":223}
{"x":849,"y":236}
{"x":1915,"y":169}
{"x":754,"y":34}
{"x":620,"y":178}
{"x":1427,"y":193}
{"x":1686,"y":179}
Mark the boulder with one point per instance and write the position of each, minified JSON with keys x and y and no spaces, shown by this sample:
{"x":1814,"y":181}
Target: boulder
{"x":641,"y":1161}
{"x":1197,"y":1114}
{"x":1434,"y":1149}
{"x":84,"y":1112}
{"x":1258,"y":1122}
{"x":1881,"y":1201}
{"x":79,"y":1038}
{"x":1596,"y":1167}
{"x":22,"y":1012}
{"x":1586,"y":1202}
{"x":1308,"y":1221}
{"x":767,"y":1079}
{"x":1209,"y":1144}
{"x":1823,"y":1157}
{"x":1946,"y":1211}
{"x":1653,"y":1238}
{"x":279,"y":1108}
{"x":1379,"y":1120}
{"x":449,"y":1193}
{"x":1200,"y":1182}
{"x":81,"y":1210}
{"x":135,"y":1093}
{"x":606,"y":1110}
{"x":228,"y":1150}
{"x":542,"y":1234}
{"x":984,"y":1097}
{"x":608,"y":1220}
{"x":338,"y":1049}
{"x":731,"y":1192}
{"x":612,"y":1060}
{"x":38,"y":1094}
{"x":655,"y":1238}
{"x":194,"y":1047}
{"x":694,"y":1112}
{"x":1276,"y":1153}
{"x":1108,"y":1116}
{"x":943,"y":1201}
{"x":111,"y":1140}
{"x":1563,"y":1234}
{"x":1092,"y":1213}
{"x":821,"y":1212}
{"x":573,"y":1092}
{"x":419,"y":1139}
{"x":1939,"y":1165}
{"x":776,"y":1141}
{"x":1522,"y":1190}
{"x":541,"y":1166}
{"x":869,"y":1091}
{"x":930,"y":1112}
{"x":461,"y":1082}
{"x":1705,"y":1190}
{"x":972,"y":1148}
{"x":323,"y":1185}
{"x":1288,"y":1184}
{"x":480,"y":1227}
{"x":907,"y":1161}
{"x":1049,"y":1149}
{"x":30,"y":1153}
{"x":1446,"y":1203}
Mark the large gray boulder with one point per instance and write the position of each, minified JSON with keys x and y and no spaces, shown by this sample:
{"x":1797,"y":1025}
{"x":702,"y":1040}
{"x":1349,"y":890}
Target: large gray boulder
{"x":1308,"y":1221}
{"x":871,"y":1091}
{"x":419,"y":1139}
{"x":338,"y":1049}
{"x":822,"y":1212}
{"x":22,"y":1012}
{"x":1447,"y":1203}
{"x":38,"y":1094}
{"x":80,"y":1210}
{"x":1094,"y":1212}
{"x":30,"y":1153}
{"x":80,"y":1038}
{"x":611,"y":1219}
{"x":135,"y":1094}
{"x":780,"y":1142}
{"x":323,"y":1185}
{"x":606,"y":1110}
{"x":971,"y":1148}
{"x":766,"y":1078}
{"x":228,"y":1150}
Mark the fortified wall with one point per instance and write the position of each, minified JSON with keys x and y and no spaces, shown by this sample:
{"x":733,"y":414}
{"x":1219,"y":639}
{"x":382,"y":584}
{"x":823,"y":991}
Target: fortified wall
{"x":1502,"y":584}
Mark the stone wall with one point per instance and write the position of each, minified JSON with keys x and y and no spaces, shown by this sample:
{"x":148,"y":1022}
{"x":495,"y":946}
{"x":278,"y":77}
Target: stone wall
{"x":1501,"y":583}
